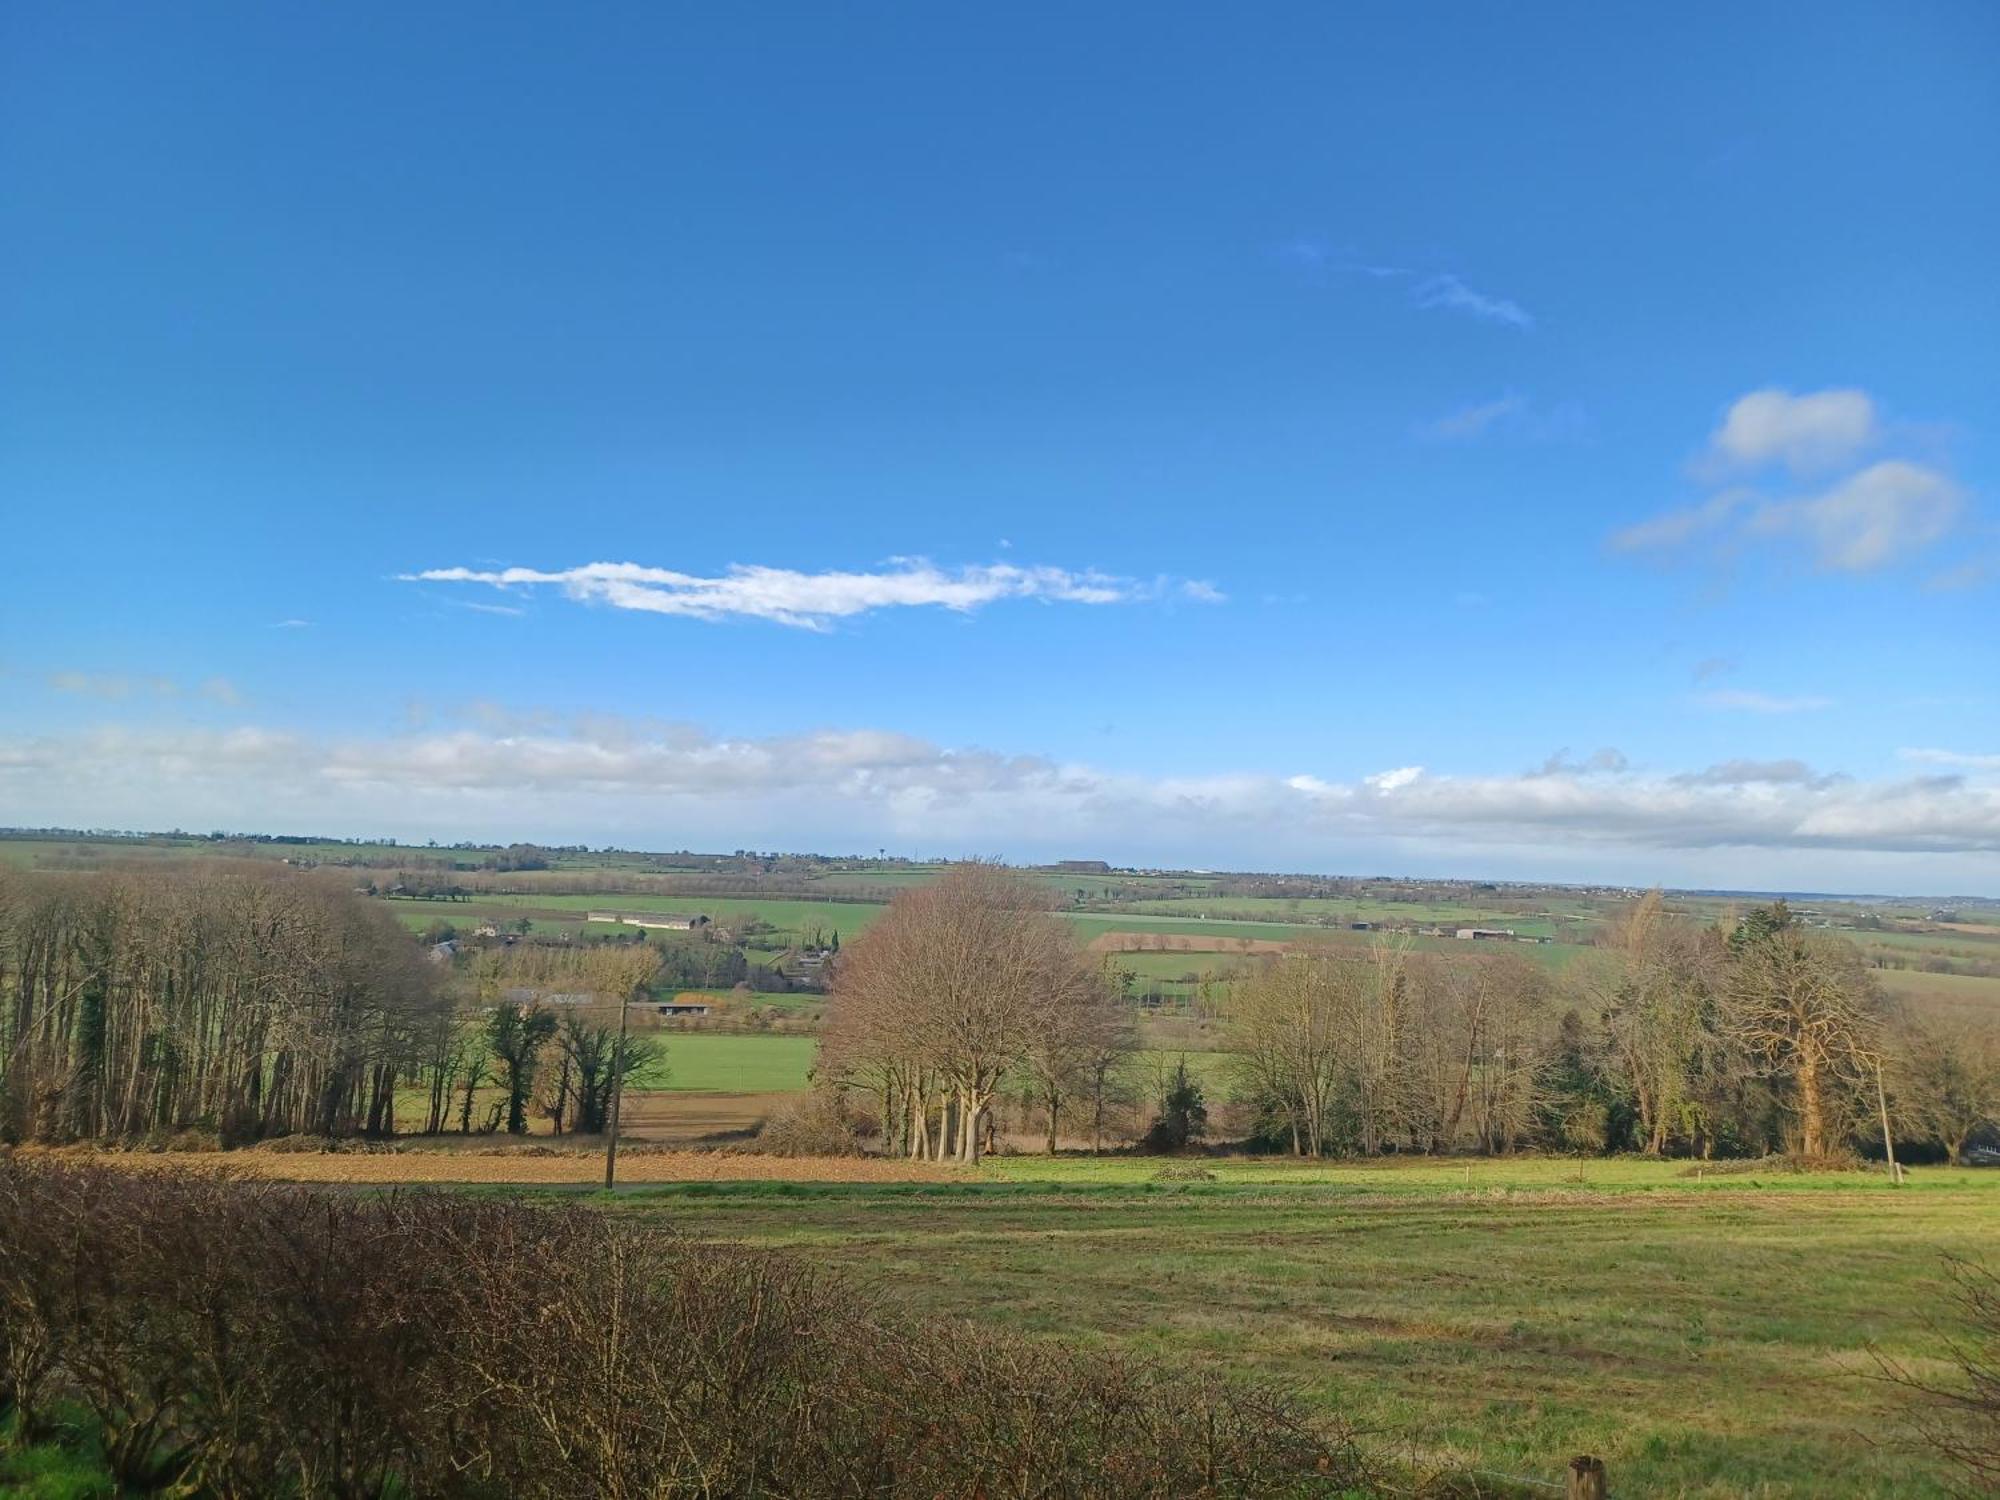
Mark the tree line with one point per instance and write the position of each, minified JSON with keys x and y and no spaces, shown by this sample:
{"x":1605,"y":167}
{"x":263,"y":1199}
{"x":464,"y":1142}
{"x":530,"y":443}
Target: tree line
{"x":1669,"y":1037}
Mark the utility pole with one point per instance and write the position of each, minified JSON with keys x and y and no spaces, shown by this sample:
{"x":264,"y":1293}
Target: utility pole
{"x":617,"y":1094}
{"x":1888,"y":1141}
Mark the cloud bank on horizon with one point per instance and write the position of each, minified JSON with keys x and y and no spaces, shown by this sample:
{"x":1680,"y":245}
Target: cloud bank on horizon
{"x":870,"y":785}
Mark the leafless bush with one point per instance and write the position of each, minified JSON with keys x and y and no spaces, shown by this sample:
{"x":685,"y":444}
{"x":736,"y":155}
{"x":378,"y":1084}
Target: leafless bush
{"x":1959,"y":1415}
{"x":243,"y":1339}
{"x":818,"y":1123}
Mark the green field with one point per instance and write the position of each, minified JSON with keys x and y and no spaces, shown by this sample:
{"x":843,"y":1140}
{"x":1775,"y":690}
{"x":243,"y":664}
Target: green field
{"x":1951,"y":994}
{"x":1709,"y":1337}
{"x":720,"y":1062}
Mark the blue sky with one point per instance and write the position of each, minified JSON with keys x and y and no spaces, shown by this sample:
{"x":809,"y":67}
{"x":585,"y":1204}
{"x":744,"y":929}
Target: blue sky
{"x":1544,"y":441}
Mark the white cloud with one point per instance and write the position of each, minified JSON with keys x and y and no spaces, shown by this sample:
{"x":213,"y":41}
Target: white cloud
{"x":1885,"y":512}
{"x":1869,"y":519}
{"x":810,"y":601}
{"x":1750,"y":701}
{"x":293,"y":624}
{"x":1391,"y":781}
{"x":1447,"y":291}
{"x":865,"y":785}
{"x":1474,"y":421}
{"x":221,"y":690}
{"x":1818,"y":430}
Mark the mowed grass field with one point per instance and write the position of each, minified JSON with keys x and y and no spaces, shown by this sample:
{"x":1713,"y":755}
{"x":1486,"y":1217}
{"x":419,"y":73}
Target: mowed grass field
{"x":1710,"y":1338}
{"x":722,"y":1062}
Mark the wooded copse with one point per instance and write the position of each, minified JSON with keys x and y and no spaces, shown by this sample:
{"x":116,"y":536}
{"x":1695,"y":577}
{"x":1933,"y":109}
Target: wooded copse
{"x":241,"y":1002}
{"x":235,"y":1001}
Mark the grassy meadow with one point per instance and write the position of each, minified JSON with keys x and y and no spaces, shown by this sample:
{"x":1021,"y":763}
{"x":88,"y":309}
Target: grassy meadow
{"x":1709,"y":1337}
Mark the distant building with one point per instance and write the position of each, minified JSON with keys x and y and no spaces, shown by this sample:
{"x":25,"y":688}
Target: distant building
{"x":444,"y":952}
{"x":1485,"y":934}
{"x":683,"y":1007}
{"x":520,"y":995}
{"x":655,"y":919}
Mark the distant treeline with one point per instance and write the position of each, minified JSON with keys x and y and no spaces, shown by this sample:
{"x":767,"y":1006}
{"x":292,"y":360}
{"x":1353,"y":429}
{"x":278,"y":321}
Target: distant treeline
{"x":440,"y":883}
{"x":240,"y":1000}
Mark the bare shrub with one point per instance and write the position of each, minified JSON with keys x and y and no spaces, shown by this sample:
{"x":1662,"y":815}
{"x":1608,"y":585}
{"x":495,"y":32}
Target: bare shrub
{"x":818,"y":1123}
{"x":238,"y":1339}
{"x":1959,"y":1415}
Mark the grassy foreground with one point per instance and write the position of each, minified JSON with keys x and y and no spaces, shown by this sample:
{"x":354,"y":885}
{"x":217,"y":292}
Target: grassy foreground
{"x":1708,"y":1337}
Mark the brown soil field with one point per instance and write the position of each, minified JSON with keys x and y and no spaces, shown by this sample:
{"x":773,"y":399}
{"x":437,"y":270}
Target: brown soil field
{"x":504,"y":1165}
{"x":678,"y":1118}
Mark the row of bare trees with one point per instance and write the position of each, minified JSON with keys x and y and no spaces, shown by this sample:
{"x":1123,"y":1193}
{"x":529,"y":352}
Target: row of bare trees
{"x":1670,"y":1037}
{"x":959,"y":984}
{"x":231,"y":999}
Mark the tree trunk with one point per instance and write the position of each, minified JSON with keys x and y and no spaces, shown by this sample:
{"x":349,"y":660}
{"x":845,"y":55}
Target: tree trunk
{"x":1812,"y":1120}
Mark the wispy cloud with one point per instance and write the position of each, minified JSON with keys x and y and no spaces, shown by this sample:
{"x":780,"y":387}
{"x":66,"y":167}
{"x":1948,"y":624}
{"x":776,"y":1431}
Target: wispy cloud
{"x":1874,"y":517}
{"x":1428,"y":289}
{"x":1960,"y":758}
{"x":1475,"y":421}
{"x":605,"y":770}
{"x":113,"y":687}
{"x":1746,"y":700}
{"x":291,"y":624}
{"x":812,"y":601}
{"x":1448,"y":292}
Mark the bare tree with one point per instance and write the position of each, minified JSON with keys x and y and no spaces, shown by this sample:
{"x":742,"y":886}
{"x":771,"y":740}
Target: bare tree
{"x":1074,"y":1039}
{"x":1946,"y":1074}
{"x":947,"y":991}
{"x":1802,"y":1006}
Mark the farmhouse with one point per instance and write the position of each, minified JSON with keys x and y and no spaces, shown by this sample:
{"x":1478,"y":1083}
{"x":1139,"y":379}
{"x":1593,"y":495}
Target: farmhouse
{"x":656,"y":919}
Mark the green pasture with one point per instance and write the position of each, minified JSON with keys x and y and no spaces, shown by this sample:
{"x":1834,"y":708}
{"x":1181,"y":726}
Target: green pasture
{"x":1710,"y":1338}
{"x":1963,"y":994}
{"x":728,"y":1063}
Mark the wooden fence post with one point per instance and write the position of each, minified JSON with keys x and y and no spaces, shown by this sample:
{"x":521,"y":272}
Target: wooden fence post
{"x":1586,"y":1478}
